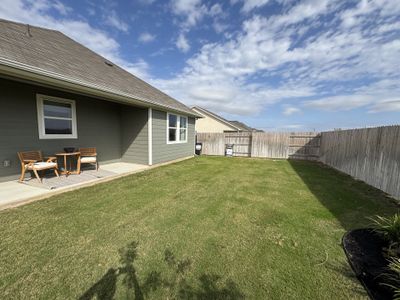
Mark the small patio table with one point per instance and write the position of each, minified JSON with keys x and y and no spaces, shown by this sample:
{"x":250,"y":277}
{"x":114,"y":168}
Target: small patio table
{"x":68,"y":156}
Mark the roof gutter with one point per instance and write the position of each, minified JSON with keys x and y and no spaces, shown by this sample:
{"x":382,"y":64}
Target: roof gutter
{"x":27,"y":72}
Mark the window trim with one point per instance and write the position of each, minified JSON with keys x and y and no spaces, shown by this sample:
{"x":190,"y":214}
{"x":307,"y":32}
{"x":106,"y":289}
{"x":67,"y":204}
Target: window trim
{"x":40,"y":115}
{"x":178,"y":123}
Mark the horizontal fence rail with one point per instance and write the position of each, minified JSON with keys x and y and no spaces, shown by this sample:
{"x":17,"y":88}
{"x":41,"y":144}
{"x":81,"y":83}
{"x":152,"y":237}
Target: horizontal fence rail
{"x":370,"y":154}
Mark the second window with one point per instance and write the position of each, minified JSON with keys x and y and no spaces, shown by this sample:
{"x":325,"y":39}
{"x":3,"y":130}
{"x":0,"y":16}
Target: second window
{"x":177,"y":129}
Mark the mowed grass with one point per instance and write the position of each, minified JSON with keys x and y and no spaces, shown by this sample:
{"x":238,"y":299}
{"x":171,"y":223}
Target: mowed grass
{"x":205,"y":228}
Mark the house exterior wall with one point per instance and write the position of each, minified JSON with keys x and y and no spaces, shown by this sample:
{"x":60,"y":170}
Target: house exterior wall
{"x":134,"y":135}
{"x":98,"y":122}
{"x":163,"y":152}
{"x":119,"y":132}
{"x":208,"y":124}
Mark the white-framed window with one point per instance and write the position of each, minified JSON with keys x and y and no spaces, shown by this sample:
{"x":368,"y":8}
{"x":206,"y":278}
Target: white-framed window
{"x":177,"y":128}
{"x":56,"y":117}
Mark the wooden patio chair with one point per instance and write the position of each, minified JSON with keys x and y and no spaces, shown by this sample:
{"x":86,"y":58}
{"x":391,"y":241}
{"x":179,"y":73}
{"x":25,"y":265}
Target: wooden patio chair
{"x":88,"y":156}
{"x":34,"y":161}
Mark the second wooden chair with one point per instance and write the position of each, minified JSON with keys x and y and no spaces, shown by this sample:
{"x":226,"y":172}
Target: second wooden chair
{"x":88,"y":156}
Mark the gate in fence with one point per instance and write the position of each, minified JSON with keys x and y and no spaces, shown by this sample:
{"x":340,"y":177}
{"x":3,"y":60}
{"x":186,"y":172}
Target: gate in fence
{"x":241,"y":142}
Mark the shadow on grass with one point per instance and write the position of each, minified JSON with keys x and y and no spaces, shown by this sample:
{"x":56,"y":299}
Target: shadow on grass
{"x":345,"y":269}
{"x":209,"y":286}
{"x":350,"y":201}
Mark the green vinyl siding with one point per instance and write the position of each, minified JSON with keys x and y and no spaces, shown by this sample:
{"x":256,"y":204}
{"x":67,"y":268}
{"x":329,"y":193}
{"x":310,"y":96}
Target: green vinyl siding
{"x":98,"y":125}
{"x":163,"y":152}
{"x":134,"y":133}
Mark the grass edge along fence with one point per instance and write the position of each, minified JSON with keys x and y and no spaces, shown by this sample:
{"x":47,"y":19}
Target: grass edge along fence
{"x":368,"y":154}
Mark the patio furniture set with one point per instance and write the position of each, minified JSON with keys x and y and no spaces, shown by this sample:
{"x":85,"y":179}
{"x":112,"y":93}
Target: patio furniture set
{"x":35,"y":162}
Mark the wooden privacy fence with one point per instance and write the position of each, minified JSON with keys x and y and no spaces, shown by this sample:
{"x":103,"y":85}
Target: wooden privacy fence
{"x":270,"y":144}
{"x":370,"y":154}
{"x":299,"y":145}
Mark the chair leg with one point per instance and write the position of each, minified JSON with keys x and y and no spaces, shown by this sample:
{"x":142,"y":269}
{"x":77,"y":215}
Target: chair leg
{"x":21,"y":179}
{"x":97,"y":165}
{"x":37,"y":175}
{"x":56,"y":171}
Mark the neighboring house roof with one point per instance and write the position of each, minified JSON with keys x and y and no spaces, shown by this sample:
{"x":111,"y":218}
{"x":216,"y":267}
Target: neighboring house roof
{"x":243,"y":126}
{"x":26,"y":49}
{"x":235,"y":125}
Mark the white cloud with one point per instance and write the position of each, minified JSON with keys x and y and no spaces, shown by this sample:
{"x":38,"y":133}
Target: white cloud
{"x":388,"y":27}
{"x":249,"y":5}
{"x":182,"y":43}
{"x":115,"y":21}
{"x":339,"y":103}
{"x":61,"y":8}
{"x":140,"y":68}
{"x":356,"y":16}
{"x":220,"y":27}
{"x":306,"y":9}
{"x":146,"y":37}
{"x":385,"y":106}
{"x":290,"y":110}
{"x":191,"y":10}
{"x":216,"y":10}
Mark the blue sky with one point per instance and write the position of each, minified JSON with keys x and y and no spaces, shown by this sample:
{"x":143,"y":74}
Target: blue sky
{"x":274,"y":64}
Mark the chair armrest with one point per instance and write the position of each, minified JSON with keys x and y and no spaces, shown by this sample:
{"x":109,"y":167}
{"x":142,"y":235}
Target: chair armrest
{"x":30,"y":160}
{"x":51,"y":159}
{"x":29,"y":163}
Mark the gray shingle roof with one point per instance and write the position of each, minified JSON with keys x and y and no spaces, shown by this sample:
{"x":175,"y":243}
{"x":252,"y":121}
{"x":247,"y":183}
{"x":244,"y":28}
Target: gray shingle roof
{"x":243,"y":126}
{"x":52,"y":51}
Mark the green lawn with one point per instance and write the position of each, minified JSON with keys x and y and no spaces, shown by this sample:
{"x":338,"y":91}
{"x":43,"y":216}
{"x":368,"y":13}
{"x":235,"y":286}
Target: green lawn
{"x":205,"y":228}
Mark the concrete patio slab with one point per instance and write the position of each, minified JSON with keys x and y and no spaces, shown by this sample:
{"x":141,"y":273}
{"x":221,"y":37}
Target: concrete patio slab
{"x":121,"y":167}
{"x":13,"y":193}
